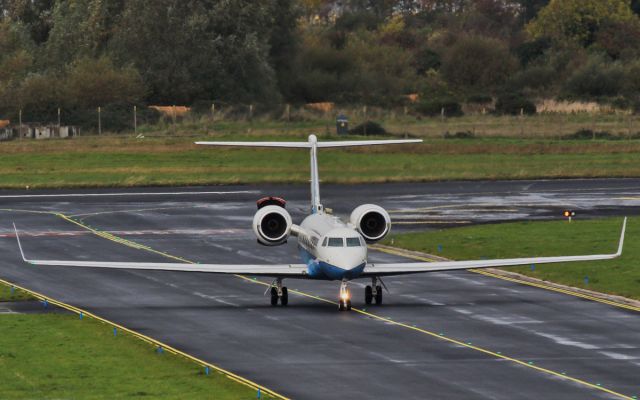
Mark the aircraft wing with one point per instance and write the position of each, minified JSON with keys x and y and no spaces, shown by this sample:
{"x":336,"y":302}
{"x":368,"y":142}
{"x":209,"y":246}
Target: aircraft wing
{"x":274,"y":270}
{"x":375,"y":269}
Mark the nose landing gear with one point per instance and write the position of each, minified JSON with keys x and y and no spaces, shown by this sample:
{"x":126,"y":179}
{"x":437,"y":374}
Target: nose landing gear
{"x":345,"y":297}
{"x":373,"y":292}
{"x":279,"y":292}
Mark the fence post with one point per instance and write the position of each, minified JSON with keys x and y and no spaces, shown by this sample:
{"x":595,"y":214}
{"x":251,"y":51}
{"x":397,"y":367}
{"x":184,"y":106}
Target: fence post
{"x":135,"y":120}
{"x":99,"y":120}
{"x":213,"y":111}
{"x":442,"y":113}
{"x":288,"y":112}
{"x":366,"y":119}
{"x":250,"y":112}
{"x":20,"y":119}
{"x":59,"y":124}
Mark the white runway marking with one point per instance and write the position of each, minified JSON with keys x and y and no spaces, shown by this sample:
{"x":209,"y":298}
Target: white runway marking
{"x":123,"y":194}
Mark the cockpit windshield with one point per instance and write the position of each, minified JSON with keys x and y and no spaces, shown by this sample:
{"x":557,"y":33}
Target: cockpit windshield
{"x":353,"y":242}
{"x":336,"y":242}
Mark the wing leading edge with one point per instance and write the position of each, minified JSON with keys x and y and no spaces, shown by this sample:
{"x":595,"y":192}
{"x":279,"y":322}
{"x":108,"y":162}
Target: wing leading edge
{"x":276,"y":270}
{"x":414,"y":268}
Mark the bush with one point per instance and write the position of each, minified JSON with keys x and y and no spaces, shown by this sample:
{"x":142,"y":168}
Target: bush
{"x":595,"y":79}
{"x":368,"y":128}
{"x":514,"y":104}
{"x":433,"y":107}
{"x":588,"y":134}
{"x":479,"y":98}
{"x":477,"y":63}
{"x":460,"y":135}
{"x":535,"y":77}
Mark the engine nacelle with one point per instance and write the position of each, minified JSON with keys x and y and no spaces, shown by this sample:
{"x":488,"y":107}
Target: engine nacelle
{"x":272,"y":225}
{"x":371,"y":221}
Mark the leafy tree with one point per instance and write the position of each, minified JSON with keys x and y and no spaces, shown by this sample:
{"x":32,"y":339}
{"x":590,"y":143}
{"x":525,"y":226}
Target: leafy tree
{"x":579,"y":21}
{"x":477,"y":63}
{"x":16,"y":61}
{"x":33,"y":14}
{"x":90,"y":83}
{"x":619,"y":39}
{"x":596,"y":79}
{"x":199,"y":49}
{"x":81,"y":28}
{"x":284,"y":43}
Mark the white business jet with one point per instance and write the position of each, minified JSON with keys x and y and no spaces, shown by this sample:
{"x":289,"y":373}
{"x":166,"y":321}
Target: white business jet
{"x":331,"y":249}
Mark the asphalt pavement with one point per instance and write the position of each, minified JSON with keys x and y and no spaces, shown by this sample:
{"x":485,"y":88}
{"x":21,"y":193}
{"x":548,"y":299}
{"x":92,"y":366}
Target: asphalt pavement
{"x":437,"y":336}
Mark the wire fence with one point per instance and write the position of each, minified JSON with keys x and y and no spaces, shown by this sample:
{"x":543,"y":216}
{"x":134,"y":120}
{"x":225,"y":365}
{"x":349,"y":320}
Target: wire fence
{"x":474,"y":120}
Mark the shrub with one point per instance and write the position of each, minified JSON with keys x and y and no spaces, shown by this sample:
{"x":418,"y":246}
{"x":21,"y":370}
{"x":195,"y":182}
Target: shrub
{"x":595,"y":79}
{"x":432,"y":107}
{"x":477,"y":63}
{"x":460,"y":135}
{"x":588,"y":134}
{"x":514,"y":104}
{"x":368,"y":128}
{"x":535,"y":77}
{"x":479,"y":98}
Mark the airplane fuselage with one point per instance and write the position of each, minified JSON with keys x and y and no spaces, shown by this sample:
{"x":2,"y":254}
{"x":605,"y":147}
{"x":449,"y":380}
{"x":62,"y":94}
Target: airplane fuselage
{"x":331,"y":249}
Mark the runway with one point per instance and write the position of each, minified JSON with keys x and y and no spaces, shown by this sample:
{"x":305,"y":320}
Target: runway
{"x":438,"y":336}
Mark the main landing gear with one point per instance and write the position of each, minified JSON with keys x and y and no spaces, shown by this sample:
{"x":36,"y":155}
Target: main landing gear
{"x":373,"y":292}
{"x":345,"y":297}
{"x":279,"y":292}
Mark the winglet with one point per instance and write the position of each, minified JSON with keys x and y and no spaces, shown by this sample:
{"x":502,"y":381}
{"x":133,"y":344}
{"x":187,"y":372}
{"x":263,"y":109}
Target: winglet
{"x":624,"y":228}
{"x":19,"y":245}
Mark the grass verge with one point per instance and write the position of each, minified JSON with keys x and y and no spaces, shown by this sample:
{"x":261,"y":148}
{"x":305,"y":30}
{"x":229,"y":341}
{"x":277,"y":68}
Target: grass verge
{"x":529,"y":239}
{"x":124,"y":162}
{"x":60,"y":356}
{"x":7,"y":294}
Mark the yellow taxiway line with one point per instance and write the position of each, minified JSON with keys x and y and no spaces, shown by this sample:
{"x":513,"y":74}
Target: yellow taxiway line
{"x":400,"y":252}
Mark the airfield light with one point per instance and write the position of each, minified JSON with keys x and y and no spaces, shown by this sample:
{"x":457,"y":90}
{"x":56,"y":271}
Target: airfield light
{"x":569,"y":214}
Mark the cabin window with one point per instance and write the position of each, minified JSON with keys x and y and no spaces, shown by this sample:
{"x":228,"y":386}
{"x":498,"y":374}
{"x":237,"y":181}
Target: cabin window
{"x":353,"y":242}
{"x":324,"y":242}
{"x":336,"y":242}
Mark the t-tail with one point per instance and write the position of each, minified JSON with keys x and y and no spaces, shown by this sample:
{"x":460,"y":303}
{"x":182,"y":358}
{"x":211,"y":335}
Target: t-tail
{"x":313,"y":145}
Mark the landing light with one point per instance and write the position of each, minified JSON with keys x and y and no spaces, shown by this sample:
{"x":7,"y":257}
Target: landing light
{"x":345,"y":296}
{"x":569,"y":214}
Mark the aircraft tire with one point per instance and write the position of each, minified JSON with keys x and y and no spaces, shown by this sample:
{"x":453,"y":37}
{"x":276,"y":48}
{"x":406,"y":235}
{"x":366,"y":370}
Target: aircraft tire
{"x":284,"y":300}
{"x":368,"y":295}
{"x":378,"y":295}
{"x":274,"y":296}
{"x":341,"y":306}
{"x":348,"y":305}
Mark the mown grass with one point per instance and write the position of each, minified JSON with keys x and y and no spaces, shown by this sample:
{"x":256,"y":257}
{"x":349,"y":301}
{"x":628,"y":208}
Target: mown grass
{"x":57,"y":356}
{"x":7,"y":294}
{"x":124,"y":161}
{"x":528,"y":239}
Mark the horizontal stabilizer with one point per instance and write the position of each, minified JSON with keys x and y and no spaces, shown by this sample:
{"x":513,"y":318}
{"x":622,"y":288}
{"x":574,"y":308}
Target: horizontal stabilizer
{"x":308,"y":145}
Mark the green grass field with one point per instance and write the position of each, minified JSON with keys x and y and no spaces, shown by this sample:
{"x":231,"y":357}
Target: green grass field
{"x":59,"y":356}
{"x":124,"y":161}
{"x":523,"y":239}
{"x":6,"y":294}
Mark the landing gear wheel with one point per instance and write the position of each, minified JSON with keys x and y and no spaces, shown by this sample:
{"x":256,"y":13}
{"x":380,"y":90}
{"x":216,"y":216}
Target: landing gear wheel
{"x":348,"y":305}
{"x":368,"y":295}
{"x":274,"y":296}
{"x":284,"y":300}
{"x":378,"y":295}
{"x":341,"y":305}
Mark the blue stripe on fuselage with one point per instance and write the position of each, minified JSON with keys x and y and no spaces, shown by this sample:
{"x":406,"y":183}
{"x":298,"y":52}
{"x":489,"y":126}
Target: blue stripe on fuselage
{"x":325,"y":271}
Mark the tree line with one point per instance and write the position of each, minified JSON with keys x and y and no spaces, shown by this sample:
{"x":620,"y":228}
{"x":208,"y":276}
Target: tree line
{"x":82,"y":54}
